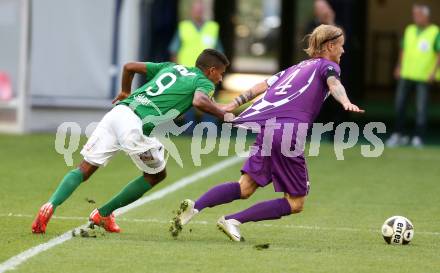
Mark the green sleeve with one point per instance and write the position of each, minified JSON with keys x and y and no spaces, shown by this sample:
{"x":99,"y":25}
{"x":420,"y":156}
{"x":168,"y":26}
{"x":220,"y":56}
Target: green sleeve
{"x":437,"y":43}
{"x":204,"y":85}
{"x":154,"y":68}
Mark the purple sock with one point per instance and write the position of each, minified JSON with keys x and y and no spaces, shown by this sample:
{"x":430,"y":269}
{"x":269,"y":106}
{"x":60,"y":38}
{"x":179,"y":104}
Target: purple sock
{"x":220,"y":194}
{"x":267,"y":210}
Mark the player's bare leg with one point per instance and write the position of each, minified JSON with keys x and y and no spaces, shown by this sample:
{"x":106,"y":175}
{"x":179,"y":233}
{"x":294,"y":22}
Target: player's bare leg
{"x":247,"y":186}
{"x":296,"y":203}
{"x":104,"y":216}
{"x":66,"y":187}
{"x":220,"y":194}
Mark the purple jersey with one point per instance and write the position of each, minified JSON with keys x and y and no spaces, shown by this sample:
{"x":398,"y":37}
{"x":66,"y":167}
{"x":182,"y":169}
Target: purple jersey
{"x":295,"y":94}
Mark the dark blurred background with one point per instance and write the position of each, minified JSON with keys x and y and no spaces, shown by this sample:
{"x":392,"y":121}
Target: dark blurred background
{"x":61,"y":60}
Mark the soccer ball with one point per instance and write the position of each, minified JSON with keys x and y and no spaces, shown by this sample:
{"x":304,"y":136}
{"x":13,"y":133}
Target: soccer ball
{"x":397,"y":230}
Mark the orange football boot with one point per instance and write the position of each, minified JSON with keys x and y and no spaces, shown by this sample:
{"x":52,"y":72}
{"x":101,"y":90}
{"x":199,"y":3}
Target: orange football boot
{"x":108,"y":223}
{"x":40,"y":223}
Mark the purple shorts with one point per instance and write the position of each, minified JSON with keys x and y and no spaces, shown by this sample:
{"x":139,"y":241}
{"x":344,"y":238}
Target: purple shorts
{"x":288,"y":174}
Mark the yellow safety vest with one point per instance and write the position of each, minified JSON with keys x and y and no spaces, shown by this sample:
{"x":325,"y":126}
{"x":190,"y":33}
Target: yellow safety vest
{"x":193,"y":41}
{"x":419,"y":56}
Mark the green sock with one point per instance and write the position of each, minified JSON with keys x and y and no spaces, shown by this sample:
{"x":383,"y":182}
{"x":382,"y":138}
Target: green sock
{"x":132,"y":192}
{"x":66,"y":187}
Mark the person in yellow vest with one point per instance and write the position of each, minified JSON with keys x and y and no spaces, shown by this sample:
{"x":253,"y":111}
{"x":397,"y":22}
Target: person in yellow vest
{"x":417,"y":69}
{"x":191,"y":38}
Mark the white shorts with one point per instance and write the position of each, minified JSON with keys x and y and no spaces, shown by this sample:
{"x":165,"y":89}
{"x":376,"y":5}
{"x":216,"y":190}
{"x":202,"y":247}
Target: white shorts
{"x":121,"y":129}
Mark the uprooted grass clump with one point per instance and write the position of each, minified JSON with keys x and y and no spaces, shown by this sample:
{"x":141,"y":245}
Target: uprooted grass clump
{"x":89,"y":232}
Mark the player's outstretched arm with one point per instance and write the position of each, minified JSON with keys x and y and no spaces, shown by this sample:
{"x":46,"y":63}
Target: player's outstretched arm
{"x":248,"y":95}
{"x":202,"y":102}
{"x":127,"y":78}
{"x":337,"y":90}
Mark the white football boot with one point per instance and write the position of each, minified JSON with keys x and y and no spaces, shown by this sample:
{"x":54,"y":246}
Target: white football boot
{"x":187,"y":211}
{"x":393,"y":141}
{"x":230,"y":228}
{"x":417,"y":142}
{"x":184,"y":214}
{"x":396,"y":140}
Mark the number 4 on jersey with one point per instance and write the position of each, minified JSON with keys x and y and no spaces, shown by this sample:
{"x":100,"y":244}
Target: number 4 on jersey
{"x":286,"y":84}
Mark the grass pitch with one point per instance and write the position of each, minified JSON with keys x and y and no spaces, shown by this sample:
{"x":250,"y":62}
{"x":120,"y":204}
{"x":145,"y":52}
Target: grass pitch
{"x":339,"y":230}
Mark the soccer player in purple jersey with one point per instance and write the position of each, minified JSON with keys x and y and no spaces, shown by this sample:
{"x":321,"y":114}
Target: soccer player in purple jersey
{"x":292,"y":96}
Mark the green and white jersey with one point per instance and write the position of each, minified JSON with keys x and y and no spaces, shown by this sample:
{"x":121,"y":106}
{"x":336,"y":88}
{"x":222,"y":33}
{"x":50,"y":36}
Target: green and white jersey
{"x":170,"y":87}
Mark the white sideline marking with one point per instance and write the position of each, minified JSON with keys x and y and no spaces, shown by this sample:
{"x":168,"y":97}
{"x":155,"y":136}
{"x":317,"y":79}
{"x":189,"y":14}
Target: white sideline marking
{"x":16,"y":260}
{"x":153,"y":220}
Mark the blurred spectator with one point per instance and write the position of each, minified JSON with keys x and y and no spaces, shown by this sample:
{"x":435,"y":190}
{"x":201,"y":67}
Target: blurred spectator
{"x":5,"y":87}
{"x":191,"y":38}
{"x":323,"y":14}
{"x":416,"y":70}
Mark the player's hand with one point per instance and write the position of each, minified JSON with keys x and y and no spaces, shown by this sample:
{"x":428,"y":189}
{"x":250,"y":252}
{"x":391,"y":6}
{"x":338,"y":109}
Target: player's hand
{"x":121,"y":96}
{"x":352,"y":108}
{"x":228,"y":117}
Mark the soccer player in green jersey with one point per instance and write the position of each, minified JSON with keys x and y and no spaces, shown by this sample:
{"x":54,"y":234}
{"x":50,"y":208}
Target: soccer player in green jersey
{"x":171,"y":88}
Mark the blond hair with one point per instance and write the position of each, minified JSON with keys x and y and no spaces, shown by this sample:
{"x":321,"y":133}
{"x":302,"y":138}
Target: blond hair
{"x":319,"y":37}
